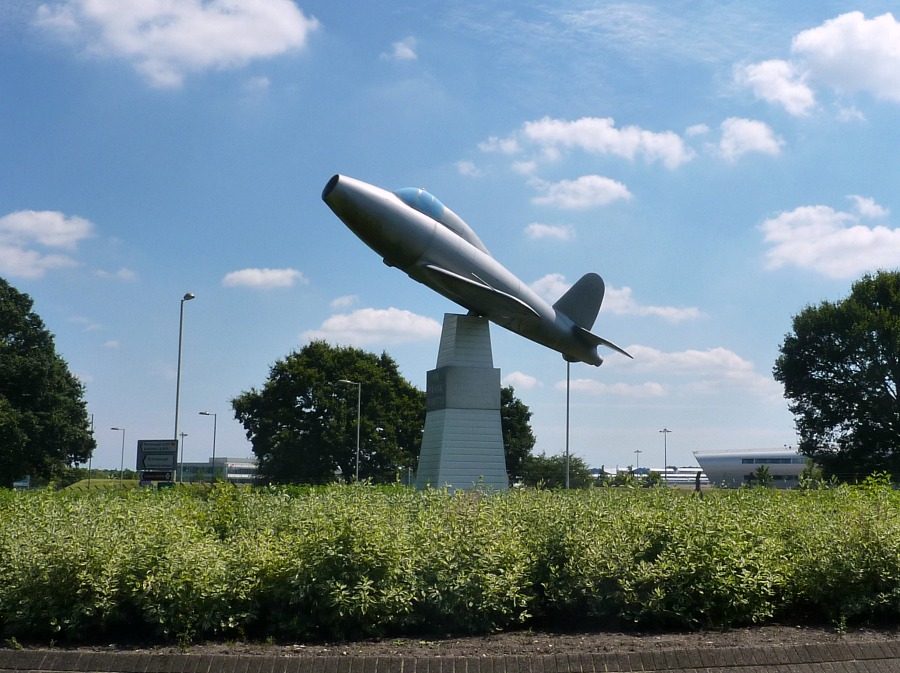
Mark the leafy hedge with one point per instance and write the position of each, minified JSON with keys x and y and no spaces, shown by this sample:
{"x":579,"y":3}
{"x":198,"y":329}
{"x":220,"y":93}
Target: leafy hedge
{"x":348,"y":562}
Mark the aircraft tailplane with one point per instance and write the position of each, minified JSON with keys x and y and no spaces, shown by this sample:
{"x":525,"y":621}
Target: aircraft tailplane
{"x":581,"y":302}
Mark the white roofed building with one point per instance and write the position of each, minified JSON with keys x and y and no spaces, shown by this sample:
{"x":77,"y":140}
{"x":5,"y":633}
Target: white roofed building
{"x":737,"y":467}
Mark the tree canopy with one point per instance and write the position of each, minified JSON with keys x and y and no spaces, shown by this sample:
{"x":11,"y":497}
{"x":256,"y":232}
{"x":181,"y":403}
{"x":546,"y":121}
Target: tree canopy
{"x":518,"y":439}
{"x":302,"y":424}
{"x":43,"y":417}
{"x":550,"y":472}
{"x":840,"y":367}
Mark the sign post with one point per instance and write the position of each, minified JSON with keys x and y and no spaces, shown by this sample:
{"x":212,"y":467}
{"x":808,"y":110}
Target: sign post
{"x":157,"y":459}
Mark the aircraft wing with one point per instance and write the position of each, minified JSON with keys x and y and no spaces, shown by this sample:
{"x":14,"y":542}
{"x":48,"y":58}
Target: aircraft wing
{"x":599,"y":341}
{"x":478,"y":295}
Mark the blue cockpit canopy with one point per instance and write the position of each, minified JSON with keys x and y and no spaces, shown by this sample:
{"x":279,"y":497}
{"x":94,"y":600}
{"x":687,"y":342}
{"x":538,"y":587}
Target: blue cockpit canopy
{"x":428,"y":204}
{"x":422,"y":201}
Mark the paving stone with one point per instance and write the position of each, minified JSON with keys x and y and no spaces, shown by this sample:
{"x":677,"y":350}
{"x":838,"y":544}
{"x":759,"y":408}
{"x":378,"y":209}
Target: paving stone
{"x":21,"y":660}
{"x":839,"y":657}
{"x":587,"y":663}
{"x":619,"y":662}
{"x":301,"y":665}
{"x":64,"y":660}
{"x":634,"y":661}
{"x":716,"y":658}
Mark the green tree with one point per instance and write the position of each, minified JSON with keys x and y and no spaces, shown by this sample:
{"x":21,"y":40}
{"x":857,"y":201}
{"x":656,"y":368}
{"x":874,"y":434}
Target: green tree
{"x":518,"y":439}
{"x":302,"y":424}
{"x":43,"y":417}
{"x":840,"y":367}
{"x":762,"y":478}
{"x":550,"y":472}
{"x":652,"y":480}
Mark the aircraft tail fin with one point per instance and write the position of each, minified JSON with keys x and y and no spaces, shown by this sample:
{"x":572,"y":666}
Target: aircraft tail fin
{"x":581,"y":302}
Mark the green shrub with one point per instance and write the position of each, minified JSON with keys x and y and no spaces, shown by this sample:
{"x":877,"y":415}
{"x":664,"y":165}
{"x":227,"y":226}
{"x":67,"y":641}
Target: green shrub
{"x":362,"y":561}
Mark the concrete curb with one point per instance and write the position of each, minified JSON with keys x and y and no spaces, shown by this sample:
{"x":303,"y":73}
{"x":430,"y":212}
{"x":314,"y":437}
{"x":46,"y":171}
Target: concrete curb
{"x":867,"y":657}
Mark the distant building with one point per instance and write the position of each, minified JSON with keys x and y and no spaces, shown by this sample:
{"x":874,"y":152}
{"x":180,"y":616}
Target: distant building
{"x":733,"y":468}
{"x":673,"y":475}
{"x":682,"y":476}
{"x":233,"y":470}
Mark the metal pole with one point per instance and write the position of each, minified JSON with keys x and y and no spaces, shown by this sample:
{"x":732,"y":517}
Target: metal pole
{"x":122,"y":459}
{"x":91,"y":457}
{"x":215,"y":420}
{"x":568,"y":378}
{"x":181,"y":467}
{"x":358,"y":421}
{"x":358,"y":385}
{"x":186,"y":297}
{"x":665,"y":432}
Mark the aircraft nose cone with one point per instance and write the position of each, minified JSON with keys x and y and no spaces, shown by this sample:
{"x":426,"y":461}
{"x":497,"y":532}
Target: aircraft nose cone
{"x":332,"y":183}
{"x":349,"y":199}
{"x":387,"y":225}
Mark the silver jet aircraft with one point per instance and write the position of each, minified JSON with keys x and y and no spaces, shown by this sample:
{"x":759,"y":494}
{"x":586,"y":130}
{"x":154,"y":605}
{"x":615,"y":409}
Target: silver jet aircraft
{"x":416,"y":233}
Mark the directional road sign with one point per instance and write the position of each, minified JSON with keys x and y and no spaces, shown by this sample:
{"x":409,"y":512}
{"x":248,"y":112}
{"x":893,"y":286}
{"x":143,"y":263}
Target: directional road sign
{"x":157,"y":454}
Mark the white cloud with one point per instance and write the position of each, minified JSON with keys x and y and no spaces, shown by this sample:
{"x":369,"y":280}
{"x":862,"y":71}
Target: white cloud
{"x":777,"y":81}
{"x":525,"y":167}
{"x":622,"y":302}
{"x":520,"y":381}
{"x":468,"y":168}
{"x":867,"y":207}
{"x":740,"y":136}
{"x":48,"y":228}
{"x":167,"y":40}
{"x":831,"y":242}
{"x":20,"y":263}
{"x":588,"y":191}
{"x":705,"y":372}
{"x":551,"y":287}
{"x":594,"y":387}
{"x":618,"y":301}
{"x":850,"y":114}
{"x":263,"y":279}
{"x":346,"y":301}
{"x":403,"y":50}
{"x":851,"y":53}
{"x":23,"y":234}
{"x":111,"y":344}
{"x":501,"y":145}
{"x":696,"y":130}
{"x":600,"y":136}
{"x":123,"y":274}
{"x":376,"y":326}
{"x":562,"y":232}
{"x":848,"y":54}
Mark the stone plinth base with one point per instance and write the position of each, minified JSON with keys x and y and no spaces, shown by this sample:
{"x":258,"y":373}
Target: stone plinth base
{"x":463,"y":442}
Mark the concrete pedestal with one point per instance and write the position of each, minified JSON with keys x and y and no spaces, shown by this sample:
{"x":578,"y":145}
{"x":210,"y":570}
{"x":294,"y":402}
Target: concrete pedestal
{"x":463,"y":442}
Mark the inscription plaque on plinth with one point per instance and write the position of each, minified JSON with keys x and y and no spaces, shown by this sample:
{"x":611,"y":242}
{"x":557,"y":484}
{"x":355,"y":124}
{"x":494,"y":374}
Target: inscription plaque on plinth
{"x":463,"y":442}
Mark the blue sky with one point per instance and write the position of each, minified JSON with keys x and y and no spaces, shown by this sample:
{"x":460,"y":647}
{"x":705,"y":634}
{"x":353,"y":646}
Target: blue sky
{"x":720,"y":164}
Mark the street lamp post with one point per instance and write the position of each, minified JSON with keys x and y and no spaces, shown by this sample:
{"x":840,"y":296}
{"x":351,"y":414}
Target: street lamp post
{"x":665,"y":432}
{"x":91,"y":457}
{"x":181,"y":466}
{"x":358,"y":385}
{"x":186,"y":297}
{"x":215,"y":420}
{"x":568,"y":377}
{"x":122,"y":459}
